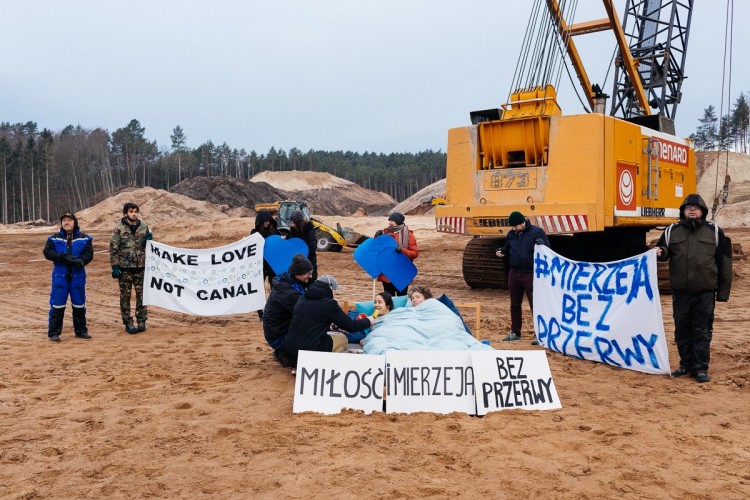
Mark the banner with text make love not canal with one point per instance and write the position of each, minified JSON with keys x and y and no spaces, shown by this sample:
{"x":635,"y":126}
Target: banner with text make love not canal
{"x":206,"y":282}
{"x":608,"y":312}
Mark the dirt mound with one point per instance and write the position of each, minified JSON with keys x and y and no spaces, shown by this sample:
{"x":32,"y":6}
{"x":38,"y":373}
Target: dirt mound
{"x":296,"y":180}
{"x":420,"y":203}
{"x":327,"y":194}
{"x":229,"y":191}
{"x":156,"y":205}
{"x":711,"y":167}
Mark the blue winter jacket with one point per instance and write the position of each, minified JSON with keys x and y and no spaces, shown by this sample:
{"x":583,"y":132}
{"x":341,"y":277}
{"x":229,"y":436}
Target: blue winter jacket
{"x":81,"y":247}
{"x":519,"y":247}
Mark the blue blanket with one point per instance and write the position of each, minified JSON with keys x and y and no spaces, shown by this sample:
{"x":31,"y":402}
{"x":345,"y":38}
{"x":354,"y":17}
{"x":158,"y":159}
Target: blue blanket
{"x":428,"y":326}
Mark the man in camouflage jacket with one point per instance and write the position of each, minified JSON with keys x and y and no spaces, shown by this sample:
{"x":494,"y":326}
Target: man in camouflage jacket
{"x":127,"y":255}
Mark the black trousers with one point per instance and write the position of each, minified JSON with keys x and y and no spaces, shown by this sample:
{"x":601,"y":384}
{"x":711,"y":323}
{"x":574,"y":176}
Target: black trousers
{"x":693,"y":328}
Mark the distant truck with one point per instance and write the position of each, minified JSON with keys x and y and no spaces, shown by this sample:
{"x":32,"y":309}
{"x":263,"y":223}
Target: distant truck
{"x":328,"y":238}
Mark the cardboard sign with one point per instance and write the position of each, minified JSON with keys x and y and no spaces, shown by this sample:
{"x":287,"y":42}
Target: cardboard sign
{"x":206,"y":282}
{"x":330,"y":382}
{"x":430,"y":381}
{"x":279,"y":252}
{"x":513,"y":380}
{"x":607,"y":312}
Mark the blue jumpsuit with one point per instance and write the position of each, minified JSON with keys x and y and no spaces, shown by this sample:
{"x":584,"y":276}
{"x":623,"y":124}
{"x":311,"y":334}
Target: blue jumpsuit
{"x":67,"y":278}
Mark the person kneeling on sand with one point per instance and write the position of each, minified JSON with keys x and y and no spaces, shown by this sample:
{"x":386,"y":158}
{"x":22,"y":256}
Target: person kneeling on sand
{"x":315,"y":312}
{"x":277,"y":315}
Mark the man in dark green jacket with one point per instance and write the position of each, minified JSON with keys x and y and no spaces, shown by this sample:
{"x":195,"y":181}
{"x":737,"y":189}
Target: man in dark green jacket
{"x":700,"y":273}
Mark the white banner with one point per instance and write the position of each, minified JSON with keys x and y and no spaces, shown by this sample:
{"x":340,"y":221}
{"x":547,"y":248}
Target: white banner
{"x":206,"y":282}
{"x":434,"y":381}
{"x":330,"y":382}
{"x":607,"y":312}
{"x":508,"y":380}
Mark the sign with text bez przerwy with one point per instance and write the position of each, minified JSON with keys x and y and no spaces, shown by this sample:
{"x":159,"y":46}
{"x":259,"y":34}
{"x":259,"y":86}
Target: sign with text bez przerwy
{"x":608,"y":312}
{"x":206,"y":282}
{"x":513,"y":380}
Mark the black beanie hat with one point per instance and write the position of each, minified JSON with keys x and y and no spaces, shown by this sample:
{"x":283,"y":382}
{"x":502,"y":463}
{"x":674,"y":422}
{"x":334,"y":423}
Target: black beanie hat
{"x":397,"y":217}
{"x":300,"y":265}
{"x":516,"y":218}
{"x":297,"y":216}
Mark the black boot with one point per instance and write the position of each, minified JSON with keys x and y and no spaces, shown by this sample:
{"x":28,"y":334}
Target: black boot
{"x":79,"y":323}
{"x":54,"y":329}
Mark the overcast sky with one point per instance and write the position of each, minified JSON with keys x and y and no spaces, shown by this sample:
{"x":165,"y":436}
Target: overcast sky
{"x":384,"y":76}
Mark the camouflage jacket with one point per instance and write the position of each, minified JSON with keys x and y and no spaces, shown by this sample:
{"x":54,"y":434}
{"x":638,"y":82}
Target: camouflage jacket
{"x":127,"y":248}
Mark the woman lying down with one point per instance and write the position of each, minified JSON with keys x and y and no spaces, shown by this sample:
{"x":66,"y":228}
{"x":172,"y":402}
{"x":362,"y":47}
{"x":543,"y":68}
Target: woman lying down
{"x":430,"y":325}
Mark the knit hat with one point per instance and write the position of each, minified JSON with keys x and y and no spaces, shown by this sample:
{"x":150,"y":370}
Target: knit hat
{"x":300,"y":265}
{"x":330,"y":281}
{"x":397,"y":217}
{"x":297,"y":216}
{"x":516,"y":218}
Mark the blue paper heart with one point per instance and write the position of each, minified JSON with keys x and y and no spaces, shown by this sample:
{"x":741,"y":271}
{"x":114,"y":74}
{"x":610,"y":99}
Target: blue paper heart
{"x":366,"y":254}
{"x":279,"y":252}
{"x":396,"y":267}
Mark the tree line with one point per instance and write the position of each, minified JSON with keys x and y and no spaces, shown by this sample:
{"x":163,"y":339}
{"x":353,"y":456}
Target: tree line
{"x":45,"y":172}
{"x":731,"y":132}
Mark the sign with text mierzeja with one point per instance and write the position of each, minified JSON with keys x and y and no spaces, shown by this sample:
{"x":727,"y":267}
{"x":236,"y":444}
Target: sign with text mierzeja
{"x":472,"y":382}
{"x":609,"y":312}
{"x":206,"y":282}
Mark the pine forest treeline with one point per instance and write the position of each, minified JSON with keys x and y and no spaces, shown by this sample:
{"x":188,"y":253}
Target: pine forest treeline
{"x":44,"y":172}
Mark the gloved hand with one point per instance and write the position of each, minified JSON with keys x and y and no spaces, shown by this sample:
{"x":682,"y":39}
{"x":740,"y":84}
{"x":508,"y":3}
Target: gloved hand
{"x":116,"y":273}
{"x":379,"y":232}
{"x":398,"y":249}
{"x":539,"y":241}
{"x":77,"y":263}
{"x":66,"y":259}
{"x":149,"y":236}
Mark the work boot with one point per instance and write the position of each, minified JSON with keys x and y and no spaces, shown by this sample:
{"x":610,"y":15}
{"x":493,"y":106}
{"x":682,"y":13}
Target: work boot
{"x":141,"y":326}
{"x":535,"y":341}
{"x":79,"y":323}
{"x":132,"y":330}
{"x":680,"y":372}
{"x":54,"y":338}
{"x":512,"y":337}
{"x":702,"y":377}
{"x":55,"y":323}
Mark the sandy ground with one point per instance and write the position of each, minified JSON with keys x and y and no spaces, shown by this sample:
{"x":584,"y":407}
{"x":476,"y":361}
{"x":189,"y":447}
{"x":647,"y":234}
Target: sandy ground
{"x":197,"y":408}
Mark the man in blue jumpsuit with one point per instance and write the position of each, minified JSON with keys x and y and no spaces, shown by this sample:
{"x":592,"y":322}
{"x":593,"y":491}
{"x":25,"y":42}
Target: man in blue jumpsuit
{"x":70,"y":250}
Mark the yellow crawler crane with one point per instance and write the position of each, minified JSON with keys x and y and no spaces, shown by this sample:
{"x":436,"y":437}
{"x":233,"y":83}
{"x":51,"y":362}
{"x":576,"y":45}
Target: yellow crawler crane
{"x":595,"y":183}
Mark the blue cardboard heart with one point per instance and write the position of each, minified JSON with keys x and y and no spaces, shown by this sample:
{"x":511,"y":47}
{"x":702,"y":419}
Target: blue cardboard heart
{"x":366,"y":254}
{"x":396,"y":267}
{"x":279,"y":252}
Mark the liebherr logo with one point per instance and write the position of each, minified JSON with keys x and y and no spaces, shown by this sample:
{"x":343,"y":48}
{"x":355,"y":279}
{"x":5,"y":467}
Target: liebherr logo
{"x":626,"y":193}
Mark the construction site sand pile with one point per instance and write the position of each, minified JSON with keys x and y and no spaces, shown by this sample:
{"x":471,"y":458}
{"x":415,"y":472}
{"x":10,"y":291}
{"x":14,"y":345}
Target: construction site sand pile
{"x":327,"y":194}
{"x":420,"y":203}
{"x":712,"y":166}
{"x":230,"y":191}
{"x":156,"y":205}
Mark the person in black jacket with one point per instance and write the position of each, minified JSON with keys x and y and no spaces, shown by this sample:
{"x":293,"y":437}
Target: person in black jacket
{"x":277,"y":315}
{"x":266,"y":226}
{"x":301,"y":227}
{"x":313,"y":316}
{"x":700,"y":273}
{"x":519,"y":247}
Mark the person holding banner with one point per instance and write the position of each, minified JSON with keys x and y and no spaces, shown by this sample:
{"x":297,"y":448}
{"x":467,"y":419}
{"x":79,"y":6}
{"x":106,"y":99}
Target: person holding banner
{"x":266,"y":226}
{"x":70,"y":250}
{"x":127,"y":255}
{"x":277,"y":315}
{"x":700,"y":273}
{"x":315,"y":312}
{"x":301,"y":227}
{"x":407,"y":245}
{"x":519,"y":247}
